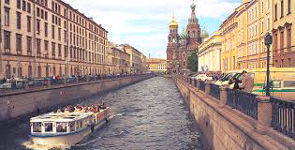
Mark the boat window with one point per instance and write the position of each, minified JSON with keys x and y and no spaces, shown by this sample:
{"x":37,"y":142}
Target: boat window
{"x":48,"y":127}
{"x":80,"y":123}
{"x":61,"y":127}
{"x":72,"y":126}
{"x":37,"y":127}
{"x":289,"y":83}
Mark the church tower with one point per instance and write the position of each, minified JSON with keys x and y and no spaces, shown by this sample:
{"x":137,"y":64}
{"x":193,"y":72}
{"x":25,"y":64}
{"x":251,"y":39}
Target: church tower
{"x":193,"y":29}
{"x":173,"y":40}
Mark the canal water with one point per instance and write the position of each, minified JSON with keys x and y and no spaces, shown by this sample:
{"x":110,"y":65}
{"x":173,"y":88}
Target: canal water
{"x":149,"y":115}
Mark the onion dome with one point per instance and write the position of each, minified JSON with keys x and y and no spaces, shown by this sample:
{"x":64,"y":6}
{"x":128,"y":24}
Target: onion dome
{"x":173,"y":24}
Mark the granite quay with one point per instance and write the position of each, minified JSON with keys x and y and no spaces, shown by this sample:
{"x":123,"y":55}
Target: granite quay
{"x":237,"y":120}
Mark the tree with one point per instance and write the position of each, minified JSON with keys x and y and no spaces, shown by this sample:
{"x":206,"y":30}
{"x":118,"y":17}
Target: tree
{"x":193,"y":62}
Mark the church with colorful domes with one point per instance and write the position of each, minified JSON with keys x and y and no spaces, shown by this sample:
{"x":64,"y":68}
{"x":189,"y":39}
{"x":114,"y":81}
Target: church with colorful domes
{"x":181,"y":46}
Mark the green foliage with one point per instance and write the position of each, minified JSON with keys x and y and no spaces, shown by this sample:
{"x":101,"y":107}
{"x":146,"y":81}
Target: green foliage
{"x":193,"y":62}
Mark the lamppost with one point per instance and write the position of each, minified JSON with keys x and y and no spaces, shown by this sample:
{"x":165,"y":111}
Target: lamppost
{"x":268,"y":42}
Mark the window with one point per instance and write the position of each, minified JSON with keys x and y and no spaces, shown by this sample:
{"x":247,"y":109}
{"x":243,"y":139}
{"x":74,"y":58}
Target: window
{"x":45,"y":29}
{"x":61,"y":127}
{"x":7,"y":17}
{"x":72,"y":126}
{"x":18,"y":17}
{"x":28,"y":23}
{"x":262,"y":24}
{"x":53,"y":31}
{"x":38,"y":12}
{"x":46,"y":15}
{"x":37,"y":126}
{"x":282,"y":40}
{"x":46,"y":48}
{"x":18,"y":4}
{"x":24,"y":5}
{"x":276,"y":11}
{"x":6,"y":40}
{"x":282,"y":8}
{"x":59,"y":34}
{"x":289,"y":6}
{"x":289,"y":37}
{"x":268,"y":23}
{"x":38,"y":26}
{"x":48,"y":126}
{"x":18,"y":43}
{"x":7,"y":2}
{"x":29,"y":45}
{"x":38,"y":46}
{"x":59,"y":50}
{"x":262,"y":7}
{"x":42,"y":13}
{"x":66,"y":51}
{"x":29,"y":7}
{"x":53,"y":49}
{"x":65,"y":36}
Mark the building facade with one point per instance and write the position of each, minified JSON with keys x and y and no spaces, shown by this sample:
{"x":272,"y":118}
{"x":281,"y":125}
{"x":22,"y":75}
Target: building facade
{"x":157,"y":65}
{"x":49,"y":37}
{"x":210,"y":54}
{"x":283,"y":33}
{"x":243,"y":34}
{"x":180,"y":47}
{"x":137,"y":59}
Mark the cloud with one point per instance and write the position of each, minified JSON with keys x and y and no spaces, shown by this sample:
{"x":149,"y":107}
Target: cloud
{"x":144,"y":23}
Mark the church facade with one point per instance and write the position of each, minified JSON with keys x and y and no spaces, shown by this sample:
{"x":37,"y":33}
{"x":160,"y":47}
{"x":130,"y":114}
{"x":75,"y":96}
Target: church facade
{"x":181,"y":46}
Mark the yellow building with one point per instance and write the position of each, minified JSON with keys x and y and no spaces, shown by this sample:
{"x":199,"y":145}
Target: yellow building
{"x":228,"y":34}
{"x":243,"y":35}
{"x":284,"y":33}
{"x":209,"y":56}
{"x":157,"y":65}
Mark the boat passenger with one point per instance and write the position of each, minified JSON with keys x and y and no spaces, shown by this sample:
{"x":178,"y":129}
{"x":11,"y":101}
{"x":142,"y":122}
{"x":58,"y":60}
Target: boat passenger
{"x":102,"y":106}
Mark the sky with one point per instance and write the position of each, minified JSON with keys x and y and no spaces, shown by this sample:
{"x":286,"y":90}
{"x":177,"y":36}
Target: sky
{"x":144,"y":24}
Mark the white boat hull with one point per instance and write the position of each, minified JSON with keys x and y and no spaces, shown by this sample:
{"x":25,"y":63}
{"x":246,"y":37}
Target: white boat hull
{"x":69,"y":139}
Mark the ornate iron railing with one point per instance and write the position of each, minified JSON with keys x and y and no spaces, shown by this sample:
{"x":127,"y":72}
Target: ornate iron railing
{"x":242,"y":101}
{"x":202,"y":86}
{"x":283,"y":116}
{"x":215,"y":91}
{"x":196,"y":82}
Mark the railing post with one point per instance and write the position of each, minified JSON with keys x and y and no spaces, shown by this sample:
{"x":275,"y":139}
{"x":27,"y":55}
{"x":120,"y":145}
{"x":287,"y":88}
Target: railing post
{"x":264,"y":113}
{"x":223,"y":96}
{"x":198,"y":85}
{"x":193,"y":82}
{"x":207,"y":87}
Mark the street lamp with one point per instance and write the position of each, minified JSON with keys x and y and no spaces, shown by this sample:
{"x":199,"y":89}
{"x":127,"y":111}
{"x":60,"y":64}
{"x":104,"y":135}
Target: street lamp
{"x":268,"y":42}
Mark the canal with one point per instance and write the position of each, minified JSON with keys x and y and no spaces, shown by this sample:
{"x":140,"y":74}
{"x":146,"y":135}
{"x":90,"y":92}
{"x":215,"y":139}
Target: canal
{"x":147,"y":115}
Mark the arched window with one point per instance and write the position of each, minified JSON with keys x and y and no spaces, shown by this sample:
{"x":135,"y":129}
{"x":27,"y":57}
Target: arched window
{"x":30,"y":71}
{"x":47,"y":70}
{"x":7,"y":70}
{"x":193,"y":34}
{"x":39,"y":71}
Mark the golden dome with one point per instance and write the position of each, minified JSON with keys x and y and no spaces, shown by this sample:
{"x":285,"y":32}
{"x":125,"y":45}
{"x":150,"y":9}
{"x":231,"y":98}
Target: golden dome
{"x":173,"y":24}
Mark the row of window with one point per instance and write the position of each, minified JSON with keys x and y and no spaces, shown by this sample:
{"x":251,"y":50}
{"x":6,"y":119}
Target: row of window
{"x":19,"y":72}
{"x":282,"y":9}
{"x":73,"y":39}
{"x":74,"y":52}
{"x":26,"y":6}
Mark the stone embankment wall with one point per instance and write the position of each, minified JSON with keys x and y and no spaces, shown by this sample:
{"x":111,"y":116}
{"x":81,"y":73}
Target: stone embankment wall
{"x":225,"y":128}
{"x":16,"y":104}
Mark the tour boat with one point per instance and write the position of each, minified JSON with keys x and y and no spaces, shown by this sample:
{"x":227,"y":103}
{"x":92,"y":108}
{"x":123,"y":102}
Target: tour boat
{"x":68,"y":127}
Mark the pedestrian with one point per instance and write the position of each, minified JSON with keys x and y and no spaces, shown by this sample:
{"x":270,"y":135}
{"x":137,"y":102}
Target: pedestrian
{"x":247,"y":82}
